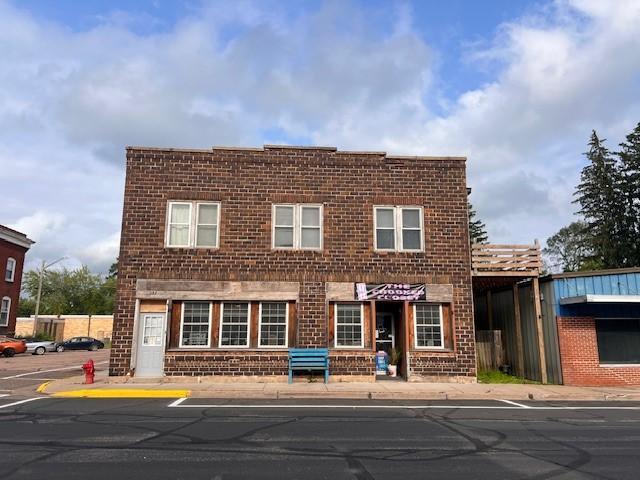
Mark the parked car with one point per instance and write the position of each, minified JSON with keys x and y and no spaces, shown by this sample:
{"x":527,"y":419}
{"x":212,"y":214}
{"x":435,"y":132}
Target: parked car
{"x":10,"y":346}
{"x":39,"y":348}
{"x":80,"y":343}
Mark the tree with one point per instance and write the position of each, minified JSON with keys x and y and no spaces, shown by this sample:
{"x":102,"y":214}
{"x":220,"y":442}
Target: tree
{"x":629,"y":181}
{"x":477,"y":228}
{"x":600,"y":202}
{"x":569,"y":250}
{"x":69,"y":292}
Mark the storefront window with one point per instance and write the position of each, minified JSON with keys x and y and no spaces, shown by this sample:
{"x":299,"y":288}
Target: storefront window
{"x":618,"y":340}
{"x":428,"y":325}
{"x":348,"y":325}
{"x":234,"y":327}
{"x":273,"y":324}
{"x":196,"y":324}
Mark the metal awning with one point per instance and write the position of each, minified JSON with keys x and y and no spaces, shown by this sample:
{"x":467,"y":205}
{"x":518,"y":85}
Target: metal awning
{"x":600,"y":299}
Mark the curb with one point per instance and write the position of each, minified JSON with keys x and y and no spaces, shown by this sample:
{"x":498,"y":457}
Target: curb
{"x":122,"y":393}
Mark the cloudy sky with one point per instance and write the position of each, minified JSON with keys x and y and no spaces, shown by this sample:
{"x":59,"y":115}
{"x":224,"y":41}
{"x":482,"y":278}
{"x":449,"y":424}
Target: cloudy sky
{"x":514,"y":86}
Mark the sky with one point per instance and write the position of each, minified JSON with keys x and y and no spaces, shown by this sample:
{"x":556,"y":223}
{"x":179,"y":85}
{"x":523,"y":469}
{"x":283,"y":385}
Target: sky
{"x":514,"y":86}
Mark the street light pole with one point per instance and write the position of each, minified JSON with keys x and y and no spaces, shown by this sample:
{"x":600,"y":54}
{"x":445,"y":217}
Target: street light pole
{"x":43,"y":268}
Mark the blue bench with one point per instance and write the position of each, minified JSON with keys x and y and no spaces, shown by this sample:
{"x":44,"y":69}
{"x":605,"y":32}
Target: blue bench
{"x":309,"y":359}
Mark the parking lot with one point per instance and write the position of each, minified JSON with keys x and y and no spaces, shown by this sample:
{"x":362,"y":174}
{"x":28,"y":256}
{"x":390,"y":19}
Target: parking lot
{"x":23,"y":373}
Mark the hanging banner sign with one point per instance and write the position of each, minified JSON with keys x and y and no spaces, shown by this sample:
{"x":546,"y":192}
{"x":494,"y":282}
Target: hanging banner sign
{"x":391,"y":291}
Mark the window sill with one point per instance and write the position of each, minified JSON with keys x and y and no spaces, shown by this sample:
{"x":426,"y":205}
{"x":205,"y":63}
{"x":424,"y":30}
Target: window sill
{"x":619,"y":365}
{"x":225,"y":350}
{"x":448,"y":351}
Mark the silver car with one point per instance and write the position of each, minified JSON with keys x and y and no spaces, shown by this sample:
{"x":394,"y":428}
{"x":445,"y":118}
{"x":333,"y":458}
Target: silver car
{"x":39,"y":348}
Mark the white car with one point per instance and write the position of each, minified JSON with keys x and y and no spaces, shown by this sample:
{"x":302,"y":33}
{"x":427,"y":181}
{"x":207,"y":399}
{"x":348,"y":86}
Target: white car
{"x":39,"y":348}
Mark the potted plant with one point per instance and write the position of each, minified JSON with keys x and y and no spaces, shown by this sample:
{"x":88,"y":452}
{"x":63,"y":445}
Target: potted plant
{"x":394,"y":360}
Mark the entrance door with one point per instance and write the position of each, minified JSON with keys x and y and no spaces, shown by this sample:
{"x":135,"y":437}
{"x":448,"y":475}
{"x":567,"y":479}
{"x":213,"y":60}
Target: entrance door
{"x":150,"y":355}
{"x":385,"y":332}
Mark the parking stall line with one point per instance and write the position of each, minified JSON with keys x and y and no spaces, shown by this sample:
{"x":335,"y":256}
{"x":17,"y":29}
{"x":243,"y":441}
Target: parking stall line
{"x":511,"y":402}
{"x":50,"y":370}
{"x":20,"y":402}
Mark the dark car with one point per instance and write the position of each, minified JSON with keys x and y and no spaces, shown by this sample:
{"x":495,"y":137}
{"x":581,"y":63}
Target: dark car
{"x":80,"y":343}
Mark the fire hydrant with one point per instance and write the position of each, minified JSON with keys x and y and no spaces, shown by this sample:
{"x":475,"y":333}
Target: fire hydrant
{"x":89,"y":371}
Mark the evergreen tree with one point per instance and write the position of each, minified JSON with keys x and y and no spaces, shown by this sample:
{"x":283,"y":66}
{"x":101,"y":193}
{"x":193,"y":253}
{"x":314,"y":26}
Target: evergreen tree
{"x":600,"y":205}
{"x":477,"y":228}
{"x":569,"y":250}
{"x":629,"y":156}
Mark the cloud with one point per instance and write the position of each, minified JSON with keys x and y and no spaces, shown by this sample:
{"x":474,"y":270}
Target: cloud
{"x":242,"y":73}
{"x":40,"y":224}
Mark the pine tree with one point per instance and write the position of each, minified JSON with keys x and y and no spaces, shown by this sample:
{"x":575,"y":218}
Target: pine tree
{"x":629,"y":156}
{"x":477,"y":228}
{"x":600,"y":205}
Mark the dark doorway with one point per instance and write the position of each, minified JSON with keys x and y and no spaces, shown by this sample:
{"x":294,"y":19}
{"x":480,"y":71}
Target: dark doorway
{"x":389,"y":333}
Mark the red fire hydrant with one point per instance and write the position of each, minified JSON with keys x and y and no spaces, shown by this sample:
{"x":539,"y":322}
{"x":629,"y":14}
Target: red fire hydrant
{"x":89,"y":371}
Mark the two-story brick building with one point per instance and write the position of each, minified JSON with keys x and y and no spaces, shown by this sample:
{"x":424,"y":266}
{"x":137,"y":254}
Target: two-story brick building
{"x":230,"y":256}
{"x":13,"y":247}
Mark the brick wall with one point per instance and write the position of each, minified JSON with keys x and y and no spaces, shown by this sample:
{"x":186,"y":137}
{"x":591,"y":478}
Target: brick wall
{"x":247,"y":183}
{"x":11,"y":289}
{"x":579,"y":356}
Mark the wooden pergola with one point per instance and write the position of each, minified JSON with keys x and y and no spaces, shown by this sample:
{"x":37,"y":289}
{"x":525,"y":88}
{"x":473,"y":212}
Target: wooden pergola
{"x":503,"y":266}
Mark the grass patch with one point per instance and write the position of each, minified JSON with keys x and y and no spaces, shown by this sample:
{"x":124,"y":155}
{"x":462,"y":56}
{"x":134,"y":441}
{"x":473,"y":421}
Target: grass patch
{"x":496,"y":376}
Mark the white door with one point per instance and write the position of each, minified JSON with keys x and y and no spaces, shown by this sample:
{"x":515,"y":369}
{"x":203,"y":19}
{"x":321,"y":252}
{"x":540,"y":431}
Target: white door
{"x":150,"y":355}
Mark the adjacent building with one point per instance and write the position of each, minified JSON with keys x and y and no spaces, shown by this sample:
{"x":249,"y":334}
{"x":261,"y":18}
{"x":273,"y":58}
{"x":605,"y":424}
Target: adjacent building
{"x":587,"y":331}
{"x":230,"y":256}
{"x":13,"y":247}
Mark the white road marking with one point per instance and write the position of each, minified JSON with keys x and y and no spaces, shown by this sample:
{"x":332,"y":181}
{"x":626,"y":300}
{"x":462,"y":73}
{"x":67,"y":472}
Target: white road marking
{"x":521,"y":405}
{"x":52,"y":370}
{"x":178,"y":404}
{"x":4,"y":394}
{"x":21,"y":402}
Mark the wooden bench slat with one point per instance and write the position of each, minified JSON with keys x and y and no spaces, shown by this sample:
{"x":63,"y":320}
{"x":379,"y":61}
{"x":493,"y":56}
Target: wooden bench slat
{"x":309,"y":359}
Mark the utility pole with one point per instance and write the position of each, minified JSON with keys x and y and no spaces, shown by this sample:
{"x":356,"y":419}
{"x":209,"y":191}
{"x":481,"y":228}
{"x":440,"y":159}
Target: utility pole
{"x":43,"y":268}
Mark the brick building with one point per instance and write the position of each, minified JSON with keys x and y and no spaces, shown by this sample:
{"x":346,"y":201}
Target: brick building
{"x":231,"y":256}
{"x":13,"y":247}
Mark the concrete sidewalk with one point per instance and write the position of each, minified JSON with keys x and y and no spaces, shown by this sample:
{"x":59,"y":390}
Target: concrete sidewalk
{"x":388,"y":390}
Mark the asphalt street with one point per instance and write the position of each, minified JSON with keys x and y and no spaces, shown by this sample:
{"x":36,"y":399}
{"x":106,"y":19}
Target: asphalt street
{"x":199,"y":438}
{"x":23,"y":373}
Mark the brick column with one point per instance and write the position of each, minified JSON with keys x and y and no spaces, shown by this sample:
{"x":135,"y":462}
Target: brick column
{"x":312,"y":324}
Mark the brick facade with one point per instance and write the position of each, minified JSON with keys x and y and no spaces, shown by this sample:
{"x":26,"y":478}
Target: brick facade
{"x":248,"y":182}
{"x":12,"y":245}
{"x":579,"y":356}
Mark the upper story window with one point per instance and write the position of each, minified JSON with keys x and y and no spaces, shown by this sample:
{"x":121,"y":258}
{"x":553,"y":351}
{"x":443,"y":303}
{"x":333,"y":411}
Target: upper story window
{"x":10,"y":273}
{"x":5,"y":307}
{"x":297,"y":226}
{"x":193,"y":224}
{"x":399,"y":229}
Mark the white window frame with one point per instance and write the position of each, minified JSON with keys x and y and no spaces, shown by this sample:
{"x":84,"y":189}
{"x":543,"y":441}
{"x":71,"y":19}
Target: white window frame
{"x":235,"y":347}
{"x":6,"y":323}
{"x":196,"y":225}
{"x":208,"y":345}
{"x":13,"y":263}
{"x":398,"y":228}
{"x":297,"y":225}
{"x":286,"y":327}
{"x":415,"y":328}
{"x":194,"y":209}
{"x":335,"y":326}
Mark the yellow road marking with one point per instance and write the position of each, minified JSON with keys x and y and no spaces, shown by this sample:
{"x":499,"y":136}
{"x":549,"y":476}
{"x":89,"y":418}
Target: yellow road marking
{"x":42,"y":387}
